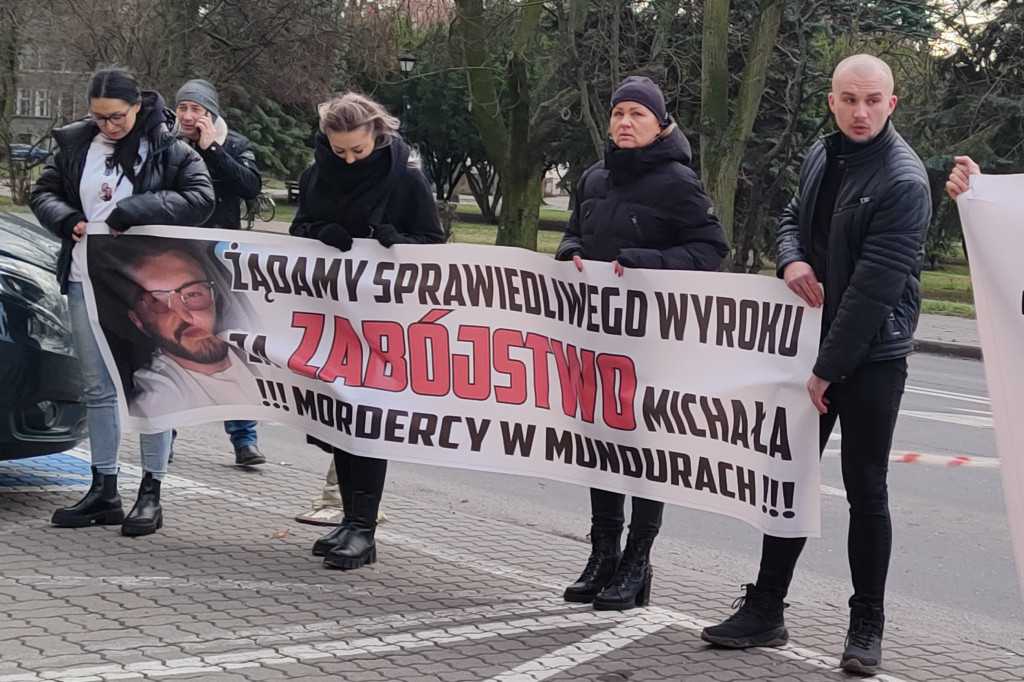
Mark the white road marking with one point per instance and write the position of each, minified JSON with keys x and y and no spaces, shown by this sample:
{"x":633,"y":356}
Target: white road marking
{"x":299,"y":653}
{"x":936,"y":393}
{"x":951,"y":418}
{"x":603,"y":643}
{"x":834,"y":492}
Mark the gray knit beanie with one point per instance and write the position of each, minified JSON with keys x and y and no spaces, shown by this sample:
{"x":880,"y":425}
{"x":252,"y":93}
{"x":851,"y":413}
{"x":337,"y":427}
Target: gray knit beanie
{"x":642,"y":90}
{"x":200,"y":92}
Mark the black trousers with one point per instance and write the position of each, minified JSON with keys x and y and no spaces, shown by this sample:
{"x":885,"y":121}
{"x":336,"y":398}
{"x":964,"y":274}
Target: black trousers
{"x":866,"y":406}
{"x":607,"y":511}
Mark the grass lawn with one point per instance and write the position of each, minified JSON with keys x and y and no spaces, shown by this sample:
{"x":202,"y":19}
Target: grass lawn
{"x":545,"y":213}
{"x":283,"y":212}
{"x":7,"y":205}
{"x":477,"y":233}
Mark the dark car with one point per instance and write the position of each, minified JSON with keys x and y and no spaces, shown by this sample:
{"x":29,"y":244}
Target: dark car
{"x":26,"y":152}
{"x":42,"y":408}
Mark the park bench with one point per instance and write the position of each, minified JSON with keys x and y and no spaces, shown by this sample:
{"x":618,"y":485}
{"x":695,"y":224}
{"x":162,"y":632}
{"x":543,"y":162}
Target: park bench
{"x":293,"y":190}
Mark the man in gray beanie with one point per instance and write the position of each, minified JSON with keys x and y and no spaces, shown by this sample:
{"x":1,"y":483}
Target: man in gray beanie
{"x":235,"y":178}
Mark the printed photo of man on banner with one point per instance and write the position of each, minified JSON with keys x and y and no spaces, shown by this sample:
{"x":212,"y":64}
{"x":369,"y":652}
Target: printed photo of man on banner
{"x":177,"y":301}
{"x":684,"y":387}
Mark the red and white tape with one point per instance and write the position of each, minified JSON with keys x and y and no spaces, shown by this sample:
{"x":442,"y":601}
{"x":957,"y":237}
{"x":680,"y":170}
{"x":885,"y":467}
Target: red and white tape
{"x":954,"y":461}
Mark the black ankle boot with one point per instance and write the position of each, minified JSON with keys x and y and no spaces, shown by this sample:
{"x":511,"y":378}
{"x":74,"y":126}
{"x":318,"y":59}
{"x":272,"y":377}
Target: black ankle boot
{"x":146,"y":516}
{"x":355,"y":549}
{"x":863,"y":653}
{"x":101,"y":505}
{"x":759,"y":621}
{"x":361,"y":492}
{"x":631,"y":584}
{"x":605,"y":552}
{"x":325,"y":543}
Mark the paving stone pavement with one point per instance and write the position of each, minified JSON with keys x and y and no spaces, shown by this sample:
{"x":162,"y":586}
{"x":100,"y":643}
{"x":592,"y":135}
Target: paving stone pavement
{"x":229,"y":591}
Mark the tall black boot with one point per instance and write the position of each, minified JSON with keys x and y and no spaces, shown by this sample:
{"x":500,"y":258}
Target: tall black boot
{"x":326,"y":543}
{"x":146,"y":516}
{"x":605,"y":551}
{"x":101,"y":505}
{"x":357,"y":547}
{"x":631,"y":584}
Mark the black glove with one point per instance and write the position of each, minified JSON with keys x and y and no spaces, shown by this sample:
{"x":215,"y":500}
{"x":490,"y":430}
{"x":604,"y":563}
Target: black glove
{"x":118,"y":220}
{"x":335,"y":235}
{"x":386,"y":234}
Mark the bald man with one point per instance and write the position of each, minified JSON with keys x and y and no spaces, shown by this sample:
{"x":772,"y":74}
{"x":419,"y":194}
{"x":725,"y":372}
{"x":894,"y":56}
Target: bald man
{"x":852,"y":242}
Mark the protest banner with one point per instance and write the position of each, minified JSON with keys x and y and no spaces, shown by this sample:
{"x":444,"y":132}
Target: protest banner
{"x":677,"y":386}
{"x":992,"y":213}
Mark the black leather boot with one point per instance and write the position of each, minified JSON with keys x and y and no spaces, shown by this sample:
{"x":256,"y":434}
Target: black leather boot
{"x":357,"y":547}
{"x":146,"y":516}
{"x":326,"y":543}
{"x":101,"y":505}
{"x":631,"y":584}
{"x":605,"y":551}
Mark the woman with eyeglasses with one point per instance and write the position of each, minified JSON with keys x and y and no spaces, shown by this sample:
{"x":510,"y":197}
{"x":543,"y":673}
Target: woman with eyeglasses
{"x":120,"y":166}
{"x":361,"y":184}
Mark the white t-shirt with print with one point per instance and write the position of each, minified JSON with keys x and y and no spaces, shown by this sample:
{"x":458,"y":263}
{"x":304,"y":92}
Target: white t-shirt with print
{"x":100,"y":189}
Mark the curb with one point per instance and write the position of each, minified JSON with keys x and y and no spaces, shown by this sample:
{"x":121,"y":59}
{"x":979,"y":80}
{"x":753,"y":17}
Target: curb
{"x":959,"y":350}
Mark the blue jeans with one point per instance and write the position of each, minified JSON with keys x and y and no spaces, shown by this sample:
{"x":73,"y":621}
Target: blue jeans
{"x":241,"y":431}
{"x":101,"y":400}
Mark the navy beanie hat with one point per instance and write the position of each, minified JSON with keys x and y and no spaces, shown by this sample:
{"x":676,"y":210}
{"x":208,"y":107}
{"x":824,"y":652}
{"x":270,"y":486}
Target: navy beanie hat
{"x":200,"y":92}
{"x":642,"y":90}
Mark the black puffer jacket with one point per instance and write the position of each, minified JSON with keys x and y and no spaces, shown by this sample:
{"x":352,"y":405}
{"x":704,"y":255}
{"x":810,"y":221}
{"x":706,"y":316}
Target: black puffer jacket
{"x":645,"y":208}
{"x":381,"y":189}
{"x":875,"y":250}
{"x":236,"y":177}
{"x":173,"y":186}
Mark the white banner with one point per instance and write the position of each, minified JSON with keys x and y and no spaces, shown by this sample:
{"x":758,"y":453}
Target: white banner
{"x":677,"y":386}
{"x":992,"y":213}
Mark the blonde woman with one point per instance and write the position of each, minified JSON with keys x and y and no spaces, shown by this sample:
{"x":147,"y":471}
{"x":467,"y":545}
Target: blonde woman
{"x":361,"y":184}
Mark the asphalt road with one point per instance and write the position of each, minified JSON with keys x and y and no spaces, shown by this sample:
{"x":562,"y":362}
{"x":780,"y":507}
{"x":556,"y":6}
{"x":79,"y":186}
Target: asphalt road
{"x":952,"y":567}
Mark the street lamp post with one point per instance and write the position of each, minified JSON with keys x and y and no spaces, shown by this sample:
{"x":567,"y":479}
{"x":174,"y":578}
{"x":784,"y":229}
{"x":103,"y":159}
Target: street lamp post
{"x":406,"y":62}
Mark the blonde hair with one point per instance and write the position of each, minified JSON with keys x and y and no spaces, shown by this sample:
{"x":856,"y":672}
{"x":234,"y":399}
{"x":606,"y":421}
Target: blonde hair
{"x":352,"y":111}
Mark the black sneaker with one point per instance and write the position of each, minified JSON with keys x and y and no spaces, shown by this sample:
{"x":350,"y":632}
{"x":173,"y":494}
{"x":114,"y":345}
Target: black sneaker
{"x":863,"y":652}
{"x":249,"y":455}
{"x":757,"y":622}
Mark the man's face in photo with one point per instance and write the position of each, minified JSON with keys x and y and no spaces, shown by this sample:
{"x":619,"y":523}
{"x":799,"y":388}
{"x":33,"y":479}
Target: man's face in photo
{"x":177,"y":308}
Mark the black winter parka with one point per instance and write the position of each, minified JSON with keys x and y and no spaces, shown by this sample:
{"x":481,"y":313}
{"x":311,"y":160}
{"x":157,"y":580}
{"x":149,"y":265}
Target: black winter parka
{"x":645,"y":208}
{"x":173,"y":186}
{"x":875,"y":249}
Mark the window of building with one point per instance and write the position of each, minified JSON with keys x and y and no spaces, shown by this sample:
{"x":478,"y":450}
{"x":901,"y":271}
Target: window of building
{"x":24,"y":106}
{"x":42,"y":104}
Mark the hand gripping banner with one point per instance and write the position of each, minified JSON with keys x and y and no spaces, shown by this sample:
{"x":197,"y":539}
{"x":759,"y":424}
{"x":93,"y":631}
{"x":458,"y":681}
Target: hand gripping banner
{"x":677,"y":386}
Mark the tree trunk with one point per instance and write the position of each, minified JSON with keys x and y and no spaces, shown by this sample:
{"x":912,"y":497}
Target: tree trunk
{"x":520,"y":206}
{"x":723,"y":138}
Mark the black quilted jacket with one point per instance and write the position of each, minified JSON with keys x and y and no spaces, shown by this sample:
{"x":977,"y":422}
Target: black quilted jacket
{"x":875,"y":250}
{"x":173,"y":186}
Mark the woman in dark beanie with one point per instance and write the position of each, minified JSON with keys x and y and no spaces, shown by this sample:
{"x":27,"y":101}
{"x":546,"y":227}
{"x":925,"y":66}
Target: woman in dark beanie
{"x":642,"y":206}
{"x":120,"y":166}
{"x":361,"y":184}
